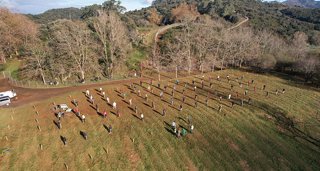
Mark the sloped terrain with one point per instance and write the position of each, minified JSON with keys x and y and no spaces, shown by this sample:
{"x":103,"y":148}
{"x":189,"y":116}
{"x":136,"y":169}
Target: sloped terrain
{"x":280,"y":131}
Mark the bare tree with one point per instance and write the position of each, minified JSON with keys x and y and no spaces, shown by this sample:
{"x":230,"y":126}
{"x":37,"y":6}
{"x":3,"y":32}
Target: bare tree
{"x":73,"y":39}
{"x":309,"y":66}
{"x":113,"y":35}
{"x":36,"y":65}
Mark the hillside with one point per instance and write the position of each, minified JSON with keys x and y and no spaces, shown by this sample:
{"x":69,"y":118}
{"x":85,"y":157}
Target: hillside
{"x":55,"y":14}
{"x":276,"y":132}
{"x":303,"y":3}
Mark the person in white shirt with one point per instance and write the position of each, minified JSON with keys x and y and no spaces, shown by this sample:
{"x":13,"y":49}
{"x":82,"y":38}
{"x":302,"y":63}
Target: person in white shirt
{"x":114,"y":105}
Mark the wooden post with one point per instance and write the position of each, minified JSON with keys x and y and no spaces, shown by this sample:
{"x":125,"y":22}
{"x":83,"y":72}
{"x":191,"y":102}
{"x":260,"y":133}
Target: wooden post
{"x":90,"y":156}
{"x":39,"y":128}
{"x":41,"y":146}
{"x":105,"y":150}
{"x":66,"y":166}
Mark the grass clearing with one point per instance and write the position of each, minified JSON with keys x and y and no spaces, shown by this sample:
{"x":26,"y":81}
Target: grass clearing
{"x":252,"y":137}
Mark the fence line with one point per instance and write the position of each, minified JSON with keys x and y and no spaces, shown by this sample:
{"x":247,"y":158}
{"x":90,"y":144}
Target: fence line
{"x":33,"y":84}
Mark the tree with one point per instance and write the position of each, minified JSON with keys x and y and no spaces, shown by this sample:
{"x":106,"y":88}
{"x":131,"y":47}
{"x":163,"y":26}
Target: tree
{"x":113,"y":35}
{"x":309,"y":67}
{"x":37,"y":61}
{"x":16,"y":31}
{"x":73,"y":45}
{"x":113,"y":5}
{"x":300,"y":44}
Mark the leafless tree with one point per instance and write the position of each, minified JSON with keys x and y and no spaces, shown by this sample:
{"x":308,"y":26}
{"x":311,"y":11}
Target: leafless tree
{"x":73,"y":40}
{"x":113,"y":35}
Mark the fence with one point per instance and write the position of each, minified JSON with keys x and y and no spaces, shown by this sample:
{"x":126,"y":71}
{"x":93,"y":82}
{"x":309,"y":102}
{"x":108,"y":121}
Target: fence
{"x":33,"y":84}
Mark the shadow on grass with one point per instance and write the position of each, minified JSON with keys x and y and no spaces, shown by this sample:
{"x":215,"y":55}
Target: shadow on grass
{"x":294,"y":79}
{"x":287,"y":123}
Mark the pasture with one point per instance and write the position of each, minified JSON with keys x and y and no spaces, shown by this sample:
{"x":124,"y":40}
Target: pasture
{"x":280,"y":131}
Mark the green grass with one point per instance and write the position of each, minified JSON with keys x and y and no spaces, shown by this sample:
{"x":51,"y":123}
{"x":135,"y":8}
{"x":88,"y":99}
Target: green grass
{"x":135,"y":57}
{"x":12,"y":67}
{"x":252,"y":137}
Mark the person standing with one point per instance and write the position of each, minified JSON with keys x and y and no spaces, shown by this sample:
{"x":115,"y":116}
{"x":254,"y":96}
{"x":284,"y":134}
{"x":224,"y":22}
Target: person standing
{"x":220,"y":108}
{"x":114,"y":105}
{"x":174,"y":126}
{"x":163,"y":112}
{"x":191,"y":128}
{"x":83,"y":119}
{"x":142,"y":116}
{"x":105,"y":114}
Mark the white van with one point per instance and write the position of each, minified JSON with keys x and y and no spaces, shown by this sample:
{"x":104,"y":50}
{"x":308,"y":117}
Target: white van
{"x":10,"y":94}
{"x":5,"y":100}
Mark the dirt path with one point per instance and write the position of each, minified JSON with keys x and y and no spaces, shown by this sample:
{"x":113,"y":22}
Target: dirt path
{"x":239,"y":24}
{"x":28,"y":95}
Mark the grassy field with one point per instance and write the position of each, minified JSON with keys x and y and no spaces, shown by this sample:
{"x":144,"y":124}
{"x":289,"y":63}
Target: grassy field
{"x":279,"y":132}
{"x":12,"y":67}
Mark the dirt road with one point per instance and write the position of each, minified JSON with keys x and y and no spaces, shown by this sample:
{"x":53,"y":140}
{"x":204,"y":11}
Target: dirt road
{"x":28,"y":95}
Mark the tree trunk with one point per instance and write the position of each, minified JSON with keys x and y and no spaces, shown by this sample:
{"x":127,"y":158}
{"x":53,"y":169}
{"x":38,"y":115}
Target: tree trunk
{"x":159,"y":76}
{"x":42,"y":77}
{"x":177,"y":71}
{"x":82,"y":75}
{"x":4,"y":59}
{"x":212,"y":69}
{"x":201,"y":68}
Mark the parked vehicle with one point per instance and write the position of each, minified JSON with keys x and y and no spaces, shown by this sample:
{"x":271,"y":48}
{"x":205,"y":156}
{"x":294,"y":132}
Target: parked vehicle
{"x":5,"y":100}
{"x":11,"y":94}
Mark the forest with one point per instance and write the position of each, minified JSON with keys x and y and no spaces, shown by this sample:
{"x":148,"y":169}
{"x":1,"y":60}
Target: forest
{"x":103,"y":41}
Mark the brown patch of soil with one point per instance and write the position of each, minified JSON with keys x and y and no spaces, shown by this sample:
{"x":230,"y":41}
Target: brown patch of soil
{"x":232,"y":145}
{"x":245,"y":166}
{"x":134,"y":158}
{"x":29,"y":95}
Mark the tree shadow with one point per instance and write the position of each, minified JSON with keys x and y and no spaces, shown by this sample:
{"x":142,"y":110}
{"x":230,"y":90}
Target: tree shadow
{"x":287,"y":123}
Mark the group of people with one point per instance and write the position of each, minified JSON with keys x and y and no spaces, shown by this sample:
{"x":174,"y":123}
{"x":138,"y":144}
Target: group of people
{"x":206,"y":89}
